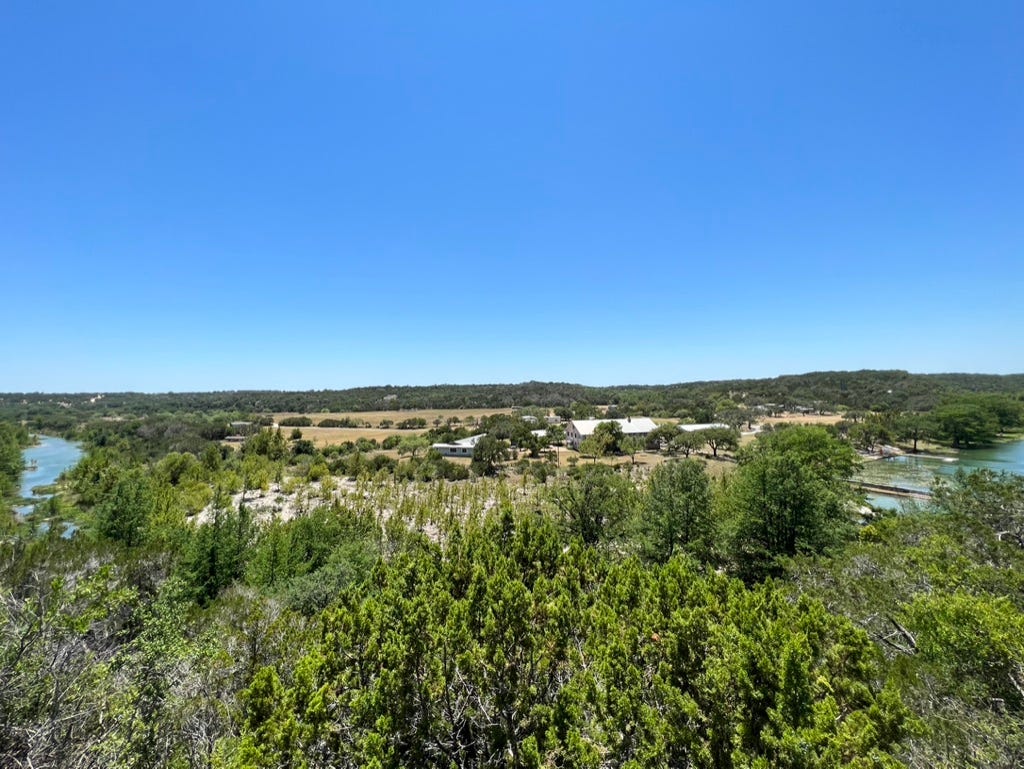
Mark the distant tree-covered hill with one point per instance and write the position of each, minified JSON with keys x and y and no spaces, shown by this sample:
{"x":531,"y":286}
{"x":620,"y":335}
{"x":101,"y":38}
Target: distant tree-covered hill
{"x":825,"y":390}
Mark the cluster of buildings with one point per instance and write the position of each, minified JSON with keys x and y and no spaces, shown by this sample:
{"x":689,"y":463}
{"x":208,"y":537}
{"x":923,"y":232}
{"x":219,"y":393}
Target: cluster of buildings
{"x":576,"y":431}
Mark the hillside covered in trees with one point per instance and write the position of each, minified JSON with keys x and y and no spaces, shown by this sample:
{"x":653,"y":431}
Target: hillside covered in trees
{"x":861,"y":390}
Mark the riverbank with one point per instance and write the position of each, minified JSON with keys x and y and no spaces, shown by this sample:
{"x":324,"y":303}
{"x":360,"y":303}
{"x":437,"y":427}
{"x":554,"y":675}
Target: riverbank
{"x":916,"y":472}
{"x":45,"y":461}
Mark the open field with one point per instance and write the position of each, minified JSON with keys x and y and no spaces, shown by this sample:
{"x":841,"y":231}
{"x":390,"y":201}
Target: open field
{"x":332,"y":436}
{"x":803,"y":419}
{"x":374,"y":418}
{"x":327,"y":436}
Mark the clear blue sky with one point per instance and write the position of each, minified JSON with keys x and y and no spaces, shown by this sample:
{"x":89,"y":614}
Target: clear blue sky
{"x":221,"y":195}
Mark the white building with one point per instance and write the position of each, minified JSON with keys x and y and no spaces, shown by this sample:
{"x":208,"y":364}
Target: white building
{"x":460,"y":448}
{"x":579,"y":429}
{"x":697,"y":428}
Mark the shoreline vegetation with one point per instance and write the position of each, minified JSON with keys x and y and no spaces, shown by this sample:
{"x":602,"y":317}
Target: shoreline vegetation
{"x":240,"y":593}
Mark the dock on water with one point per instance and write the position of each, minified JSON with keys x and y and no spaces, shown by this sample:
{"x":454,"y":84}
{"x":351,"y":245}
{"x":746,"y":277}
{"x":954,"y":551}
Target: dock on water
{"x":892,"y":491}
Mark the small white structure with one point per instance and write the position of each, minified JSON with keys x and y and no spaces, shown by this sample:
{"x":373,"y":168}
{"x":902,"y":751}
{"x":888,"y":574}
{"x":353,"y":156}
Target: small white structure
{"x":460,"y":448}
{"x":579,"y":429}
{"x":705,"y":426}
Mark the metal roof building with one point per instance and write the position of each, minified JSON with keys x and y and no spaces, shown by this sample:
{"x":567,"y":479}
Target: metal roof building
{"x":460,"y":448}
{"x":579,"y":429}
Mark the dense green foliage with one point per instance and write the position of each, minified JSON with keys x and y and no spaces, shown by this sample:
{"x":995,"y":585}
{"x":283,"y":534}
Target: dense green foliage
{"x":12,"y":440}
{"x":286,"y":605}
{"x":678,"y":512}
{"x":942,"y":593}
{"x":502,"y":650}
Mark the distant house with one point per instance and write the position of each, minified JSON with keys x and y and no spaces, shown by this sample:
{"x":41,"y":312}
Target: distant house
{"x":460,"y":448}
{"x":705,"y":426}
{"x":579,"y":429}
{"x":239,"y":430}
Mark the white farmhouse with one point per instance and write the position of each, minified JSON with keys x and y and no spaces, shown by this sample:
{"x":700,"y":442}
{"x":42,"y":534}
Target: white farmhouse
{"x":460,"y":448}
{"x":579,"y":429}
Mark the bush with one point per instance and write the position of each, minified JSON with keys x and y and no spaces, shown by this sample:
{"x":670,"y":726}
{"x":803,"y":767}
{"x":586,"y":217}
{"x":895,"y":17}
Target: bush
{"x":345,"y":422}
{"x":317,"y":471}
{"x":412,"y":423}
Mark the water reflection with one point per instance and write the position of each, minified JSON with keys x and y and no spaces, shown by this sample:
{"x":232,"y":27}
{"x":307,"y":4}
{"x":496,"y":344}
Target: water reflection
{"x":916,"y":472}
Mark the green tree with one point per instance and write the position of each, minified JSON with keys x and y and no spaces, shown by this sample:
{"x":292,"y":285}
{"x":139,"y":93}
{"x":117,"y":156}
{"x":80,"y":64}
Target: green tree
{"x":583,"y":411}
{"x":124,"y":514}
{"x":10,"y":458}
{"x":488,"y":454}
{"x":413,"y":445}
{"x":595,"y":502}
{"x":686,"y":442}
{"x":831,"y":461}
{"x":610,"y":435}
{"x":212,"y":458}
{"x":215,"y":554}
{"x":677,"y":512}
{"x":725,"y":438}
{"x":965,"y":424}
{"x":661,"y":434}
{"x":789,"y":496}
{"x":593,"y":446}
{"x":914,"y":427}
{"x":1008,"y":412}
{"x":269,"y":443}
{"x":780,"y":510}
{"x":864,"y":435}
{"x":631,"y":445}
{"x":994,"y":499}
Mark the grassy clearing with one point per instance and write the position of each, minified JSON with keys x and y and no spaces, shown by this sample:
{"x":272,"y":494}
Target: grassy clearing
{"x":803,"y":419}
{"x":332,"y":436}
{"x":374,"y":418}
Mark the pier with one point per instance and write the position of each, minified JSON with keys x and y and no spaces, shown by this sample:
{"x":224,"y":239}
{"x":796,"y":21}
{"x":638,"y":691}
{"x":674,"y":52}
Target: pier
{"x":893,"y":491}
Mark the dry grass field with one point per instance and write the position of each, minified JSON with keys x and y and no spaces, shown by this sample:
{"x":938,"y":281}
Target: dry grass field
{"x":804,"y":419}
{"x":332,"y":436}
{"x":327,"y":436}
{"x":374,"y":418}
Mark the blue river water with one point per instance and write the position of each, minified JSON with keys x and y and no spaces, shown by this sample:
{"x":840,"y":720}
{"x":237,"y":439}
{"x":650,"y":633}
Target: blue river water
{"x":44,"y":463}
{"x":917,"y":472}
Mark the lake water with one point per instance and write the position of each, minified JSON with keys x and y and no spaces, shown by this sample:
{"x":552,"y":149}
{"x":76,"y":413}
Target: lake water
{"x":43,"y":464}
{"x":917,"y":472}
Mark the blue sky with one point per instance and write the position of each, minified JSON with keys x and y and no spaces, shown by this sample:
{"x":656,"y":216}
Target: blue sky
{"x":302,"y":195}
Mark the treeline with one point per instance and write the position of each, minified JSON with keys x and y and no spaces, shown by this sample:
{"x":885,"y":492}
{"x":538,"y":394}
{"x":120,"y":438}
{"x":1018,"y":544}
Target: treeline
{"x":863,"y":390}
{"x":962,"y":421}
{"x":13,"y":438}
